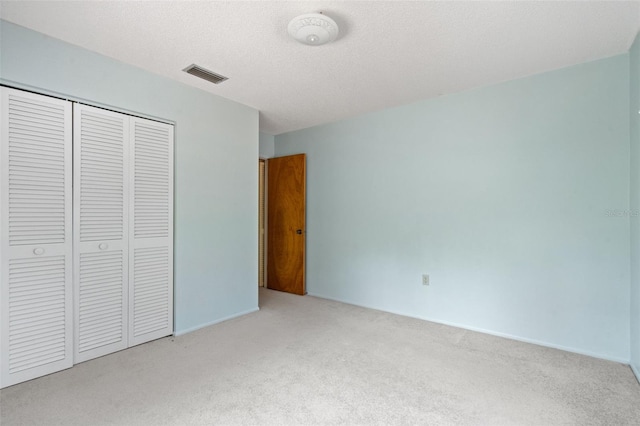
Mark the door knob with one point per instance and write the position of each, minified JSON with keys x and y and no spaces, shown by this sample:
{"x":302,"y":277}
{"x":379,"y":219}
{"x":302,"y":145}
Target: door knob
{"x":103,"y":246}
{"x":38,"y":251}
{"x":299,"y":232}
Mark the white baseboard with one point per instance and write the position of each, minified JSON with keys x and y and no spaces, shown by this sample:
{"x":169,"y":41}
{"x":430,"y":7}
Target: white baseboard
{"x":198,"y":327}
{"x":490,"y":332}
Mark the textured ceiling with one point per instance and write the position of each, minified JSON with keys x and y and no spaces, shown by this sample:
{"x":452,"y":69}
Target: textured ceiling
{"x":388,"y":53}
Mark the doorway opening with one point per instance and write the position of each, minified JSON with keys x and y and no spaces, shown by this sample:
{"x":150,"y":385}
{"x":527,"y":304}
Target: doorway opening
{"x":261,"y":223}
{"x":281,"y":223}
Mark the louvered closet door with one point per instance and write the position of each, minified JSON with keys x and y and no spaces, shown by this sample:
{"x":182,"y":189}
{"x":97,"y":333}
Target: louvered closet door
{"x":151,"y":231}
{"x":101,"y":151}
{"x":36,"y":329}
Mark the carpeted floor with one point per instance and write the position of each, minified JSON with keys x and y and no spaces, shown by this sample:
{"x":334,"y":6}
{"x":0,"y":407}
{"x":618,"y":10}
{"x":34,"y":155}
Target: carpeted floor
{"x":304,"y":360}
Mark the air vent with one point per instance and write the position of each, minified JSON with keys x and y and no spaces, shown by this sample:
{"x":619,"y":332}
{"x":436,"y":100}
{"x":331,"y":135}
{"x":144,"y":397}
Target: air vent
{"x":205,"y":74}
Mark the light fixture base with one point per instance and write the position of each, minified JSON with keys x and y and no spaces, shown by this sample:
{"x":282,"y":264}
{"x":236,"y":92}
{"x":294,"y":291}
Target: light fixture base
{"x":313,"y":29}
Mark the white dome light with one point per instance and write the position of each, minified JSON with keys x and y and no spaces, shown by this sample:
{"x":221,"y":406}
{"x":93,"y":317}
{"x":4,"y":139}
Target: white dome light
{"x":313,"y":29}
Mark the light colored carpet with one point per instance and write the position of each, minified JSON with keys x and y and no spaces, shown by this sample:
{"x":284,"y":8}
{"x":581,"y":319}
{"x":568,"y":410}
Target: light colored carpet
{"x":304,"y":360}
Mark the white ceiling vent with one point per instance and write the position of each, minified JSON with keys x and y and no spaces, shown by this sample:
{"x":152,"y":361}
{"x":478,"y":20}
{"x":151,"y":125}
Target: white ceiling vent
{"x":205,"y":74}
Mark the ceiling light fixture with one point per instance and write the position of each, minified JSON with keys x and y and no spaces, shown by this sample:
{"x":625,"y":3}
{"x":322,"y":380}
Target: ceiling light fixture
{"x":313,"y":29}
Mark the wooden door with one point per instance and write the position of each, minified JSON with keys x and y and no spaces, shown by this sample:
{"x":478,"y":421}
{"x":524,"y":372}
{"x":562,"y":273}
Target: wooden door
{"x":286,"y":224}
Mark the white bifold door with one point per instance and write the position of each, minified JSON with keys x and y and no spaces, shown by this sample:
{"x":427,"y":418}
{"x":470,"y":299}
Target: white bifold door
{"x":123,"y":229}
{"x":86,"y":269}
{"x":101,"y":211}
{"x":36,"y":330}
{"x":150,"y":231}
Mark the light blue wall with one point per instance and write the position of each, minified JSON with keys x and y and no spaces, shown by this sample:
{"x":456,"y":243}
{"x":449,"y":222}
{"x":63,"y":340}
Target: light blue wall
{"x":634,"y":61}
{"x":266,"y":145}
{"x":504,"y":195}
{"x":216,"y":150}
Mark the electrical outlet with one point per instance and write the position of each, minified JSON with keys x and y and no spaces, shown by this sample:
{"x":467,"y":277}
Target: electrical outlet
{"x":425,"y":279}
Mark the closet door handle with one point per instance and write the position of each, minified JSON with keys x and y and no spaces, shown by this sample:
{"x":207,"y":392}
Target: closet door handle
{"x":38,"y":251}
{"x":103,"y":246}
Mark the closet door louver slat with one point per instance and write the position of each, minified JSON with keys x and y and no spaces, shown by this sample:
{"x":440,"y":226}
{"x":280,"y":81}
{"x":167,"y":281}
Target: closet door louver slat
{"x":151,"y":235}
{"x":101,"y":148}
{"x":35,"y":236}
